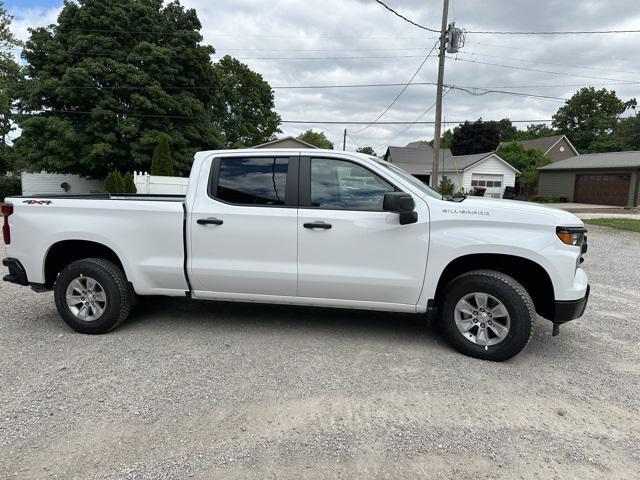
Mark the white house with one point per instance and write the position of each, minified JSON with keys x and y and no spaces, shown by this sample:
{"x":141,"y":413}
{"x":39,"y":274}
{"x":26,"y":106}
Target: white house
{"x":485,"y":170}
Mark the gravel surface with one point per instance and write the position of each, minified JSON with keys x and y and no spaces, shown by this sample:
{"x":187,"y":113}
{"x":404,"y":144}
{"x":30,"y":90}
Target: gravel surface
{"x":239,"y":391}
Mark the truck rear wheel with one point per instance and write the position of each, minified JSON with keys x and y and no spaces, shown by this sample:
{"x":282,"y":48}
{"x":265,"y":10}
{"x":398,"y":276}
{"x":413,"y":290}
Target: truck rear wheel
{"x":487,"y":314}
{"x":92,"y":295}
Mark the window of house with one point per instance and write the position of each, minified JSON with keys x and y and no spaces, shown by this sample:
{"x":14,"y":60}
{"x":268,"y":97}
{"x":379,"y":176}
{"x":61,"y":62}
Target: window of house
{"x":252,"y":181}
{"x":341,"y":185}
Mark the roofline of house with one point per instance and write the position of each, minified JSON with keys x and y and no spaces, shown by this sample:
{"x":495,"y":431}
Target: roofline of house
{"x":288,"y":137}
{"x":568,"y":141}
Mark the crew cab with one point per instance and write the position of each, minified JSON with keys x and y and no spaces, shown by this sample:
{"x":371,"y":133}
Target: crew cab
{"x":306,"y":227}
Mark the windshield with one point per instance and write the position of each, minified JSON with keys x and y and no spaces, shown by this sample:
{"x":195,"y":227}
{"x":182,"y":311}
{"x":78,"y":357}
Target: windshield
{"x":409,"y":178}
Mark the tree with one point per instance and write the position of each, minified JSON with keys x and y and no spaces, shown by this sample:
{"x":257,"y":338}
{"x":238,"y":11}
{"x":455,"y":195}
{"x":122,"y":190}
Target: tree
{"x":129,"y":184}
{"x":318,"y":139}
{"x":508,"y":132}
{"x":475,"y":137}
{"x":9,"y":77}
{"x":248,"y":102}
{"x":367,"y":150}
{"x":445,"y":187}
{"x":527,"y":161}
{"x":114,"y":183}
{"x":162,"y":163}
{"x":536,"y":130}
{"x":628,"y":133}
{"x":137,"y":63}
{"x":589,"y":118}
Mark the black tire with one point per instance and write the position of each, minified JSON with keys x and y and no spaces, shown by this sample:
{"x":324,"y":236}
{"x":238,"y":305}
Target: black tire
{"x":118,"y":292}
{"x":510,"y":293}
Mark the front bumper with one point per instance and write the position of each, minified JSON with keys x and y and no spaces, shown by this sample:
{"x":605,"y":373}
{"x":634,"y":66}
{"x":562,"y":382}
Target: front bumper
{"x":17,"y":273}
{"x":566,"y":311}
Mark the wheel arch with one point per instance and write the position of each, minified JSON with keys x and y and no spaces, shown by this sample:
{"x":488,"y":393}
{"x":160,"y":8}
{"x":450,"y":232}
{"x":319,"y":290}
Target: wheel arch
{"x":64,"y":252}
{"x":533,"y":277}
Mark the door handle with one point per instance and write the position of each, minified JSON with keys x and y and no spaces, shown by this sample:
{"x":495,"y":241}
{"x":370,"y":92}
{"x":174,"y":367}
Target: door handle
{"x":209,"y":221}
{"x":323,"y":225}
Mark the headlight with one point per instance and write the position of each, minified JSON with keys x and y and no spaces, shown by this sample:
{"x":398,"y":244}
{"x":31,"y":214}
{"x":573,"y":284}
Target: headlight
{"x":571,"y":235}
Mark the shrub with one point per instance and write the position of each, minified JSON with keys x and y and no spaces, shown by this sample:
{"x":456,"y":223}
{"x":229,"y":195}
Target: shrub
{"x":445,"y":187}
{"x":162,"y":164}
{"x":114,"y":183}
{"x":10,"y":186}
{"x":129,"y":184}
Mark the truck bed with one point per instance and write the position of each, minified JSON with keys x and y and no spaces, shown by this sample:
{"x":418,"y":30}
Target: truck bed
{"x":146,"y":232}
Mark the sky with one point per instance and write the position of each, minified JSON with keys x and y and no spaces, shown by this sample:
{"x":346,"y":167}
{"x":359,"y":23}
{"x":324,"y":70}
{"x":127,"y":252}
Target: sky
{"x":346,"y":42}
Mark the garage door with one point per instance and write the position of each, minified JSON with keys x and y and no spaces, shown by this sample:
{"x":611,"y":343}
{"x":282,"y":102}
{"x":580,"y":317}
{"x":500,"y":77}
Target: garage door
{"x":602,"y":189}
{"x":492,"y":183}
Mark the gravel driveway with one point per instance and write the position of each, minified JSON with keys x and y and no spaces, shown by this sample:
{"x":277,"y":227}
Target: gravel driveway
{"x":239,"y":391}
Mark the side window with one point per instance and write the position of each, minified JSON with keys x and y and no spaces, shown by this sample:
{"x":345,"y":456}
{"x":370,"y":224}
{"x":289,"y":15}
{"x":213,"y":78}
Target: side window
{"x":252,"y":181}
{"x":341,"y":185}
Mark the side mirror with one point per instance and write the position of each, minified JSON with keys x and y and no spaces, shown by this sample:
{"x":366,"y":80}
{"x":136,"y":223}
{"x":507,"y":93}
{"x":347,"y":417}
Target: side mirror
{"x":401,"y":203}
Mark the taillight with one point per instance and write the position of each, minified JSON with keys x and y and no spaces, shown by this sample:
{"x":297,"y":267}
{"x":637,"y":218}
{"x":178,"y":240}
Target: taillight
{"x":7,"y":209}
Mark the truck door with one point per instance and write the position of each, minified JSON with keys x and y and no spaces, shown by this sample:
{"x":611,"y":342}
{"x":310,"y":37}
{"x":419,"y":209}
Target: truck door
{"x":243,"y":230}
{"x":348,"y":247}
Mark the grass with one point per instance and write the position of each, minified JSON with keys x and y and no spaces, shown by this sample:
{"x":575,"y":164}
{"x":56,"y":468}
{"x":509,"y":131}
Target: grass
{"x":618,"y":223}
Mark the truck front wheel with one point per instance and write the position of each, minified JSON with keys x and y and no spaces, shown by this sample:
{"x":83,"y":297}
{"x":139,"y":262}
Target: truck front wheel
{"x":92,"y":295}
{"x":487,"y":314}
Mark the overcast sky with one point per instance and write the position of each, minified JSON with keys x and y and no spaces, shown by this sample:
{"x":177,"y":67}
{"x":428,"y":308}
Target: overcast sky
{"x":263,"y":32}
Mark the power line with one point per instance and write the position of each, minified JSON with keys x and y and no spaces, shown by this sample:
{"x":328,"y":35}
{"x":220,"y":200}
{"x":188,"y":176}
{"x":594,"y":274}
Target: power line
{"x":478,"y":92}
{"x":585,"y":67}
{"x":566,"y":32}
{"x":401,"y":91}
{"x":354,"y":85}
{"x":406,"y":19}
{"x":473,"y":90}
{"x":406,"y":129}
{"x":300,"y":122}
{"x":233,"y":35}
{"x":563,"y":74}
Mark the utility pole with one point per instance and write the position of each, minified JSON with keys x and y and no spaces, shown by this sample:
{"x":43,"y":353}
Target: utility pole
{"x":438,"y":123}
{"x":344,"y":140}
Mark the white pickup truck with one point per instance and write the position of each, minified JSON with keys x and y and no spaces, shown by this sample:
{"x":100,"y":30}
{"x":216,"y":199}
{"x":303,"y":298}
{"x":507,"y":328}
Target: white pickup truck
{"x":306,"y":227}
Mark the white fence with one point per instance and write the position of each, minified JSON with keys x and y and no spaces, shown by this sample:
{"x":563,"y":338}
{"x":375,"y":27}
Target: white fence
{"x":56,"y":183}
{"x":146,"y":183}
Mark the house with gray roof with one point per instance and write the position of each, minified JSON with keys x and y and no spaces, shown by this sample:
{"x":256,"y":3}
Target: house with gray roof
{"x":610,"y":178}
{"x":555,"y":147}
{"x":485,"y":170}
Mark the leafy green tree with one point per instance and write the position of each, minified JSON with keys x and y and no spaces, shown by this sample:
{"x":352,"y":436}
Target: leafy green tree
{"x":114,"y":183}
{"x":129,"y":184}
{"x":445,"y":187}
{"x":475,"y":137}
{"x":589,"y":118}
{"x":248,"y":101}
{"x":536,"y":130}
{"x":9,"y":186}
{"x":508,"y":132}
{"x":367,"y":150}
{"x":113,"y":76}
{"x":318,"y":139}
{"x":162,"y":163}
{"x":628,"y":133}
{"x":9,"y":77}
{"x":527,"y":161}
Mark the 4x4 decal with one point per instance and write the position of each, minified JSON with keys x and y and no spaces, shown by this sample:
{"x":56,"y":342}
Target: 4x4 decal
{"x":37,"y":202}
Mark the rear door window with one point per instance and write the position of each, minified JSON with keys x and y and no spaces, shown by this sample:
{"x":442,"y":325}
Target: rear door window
{"x":252,"y":181}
